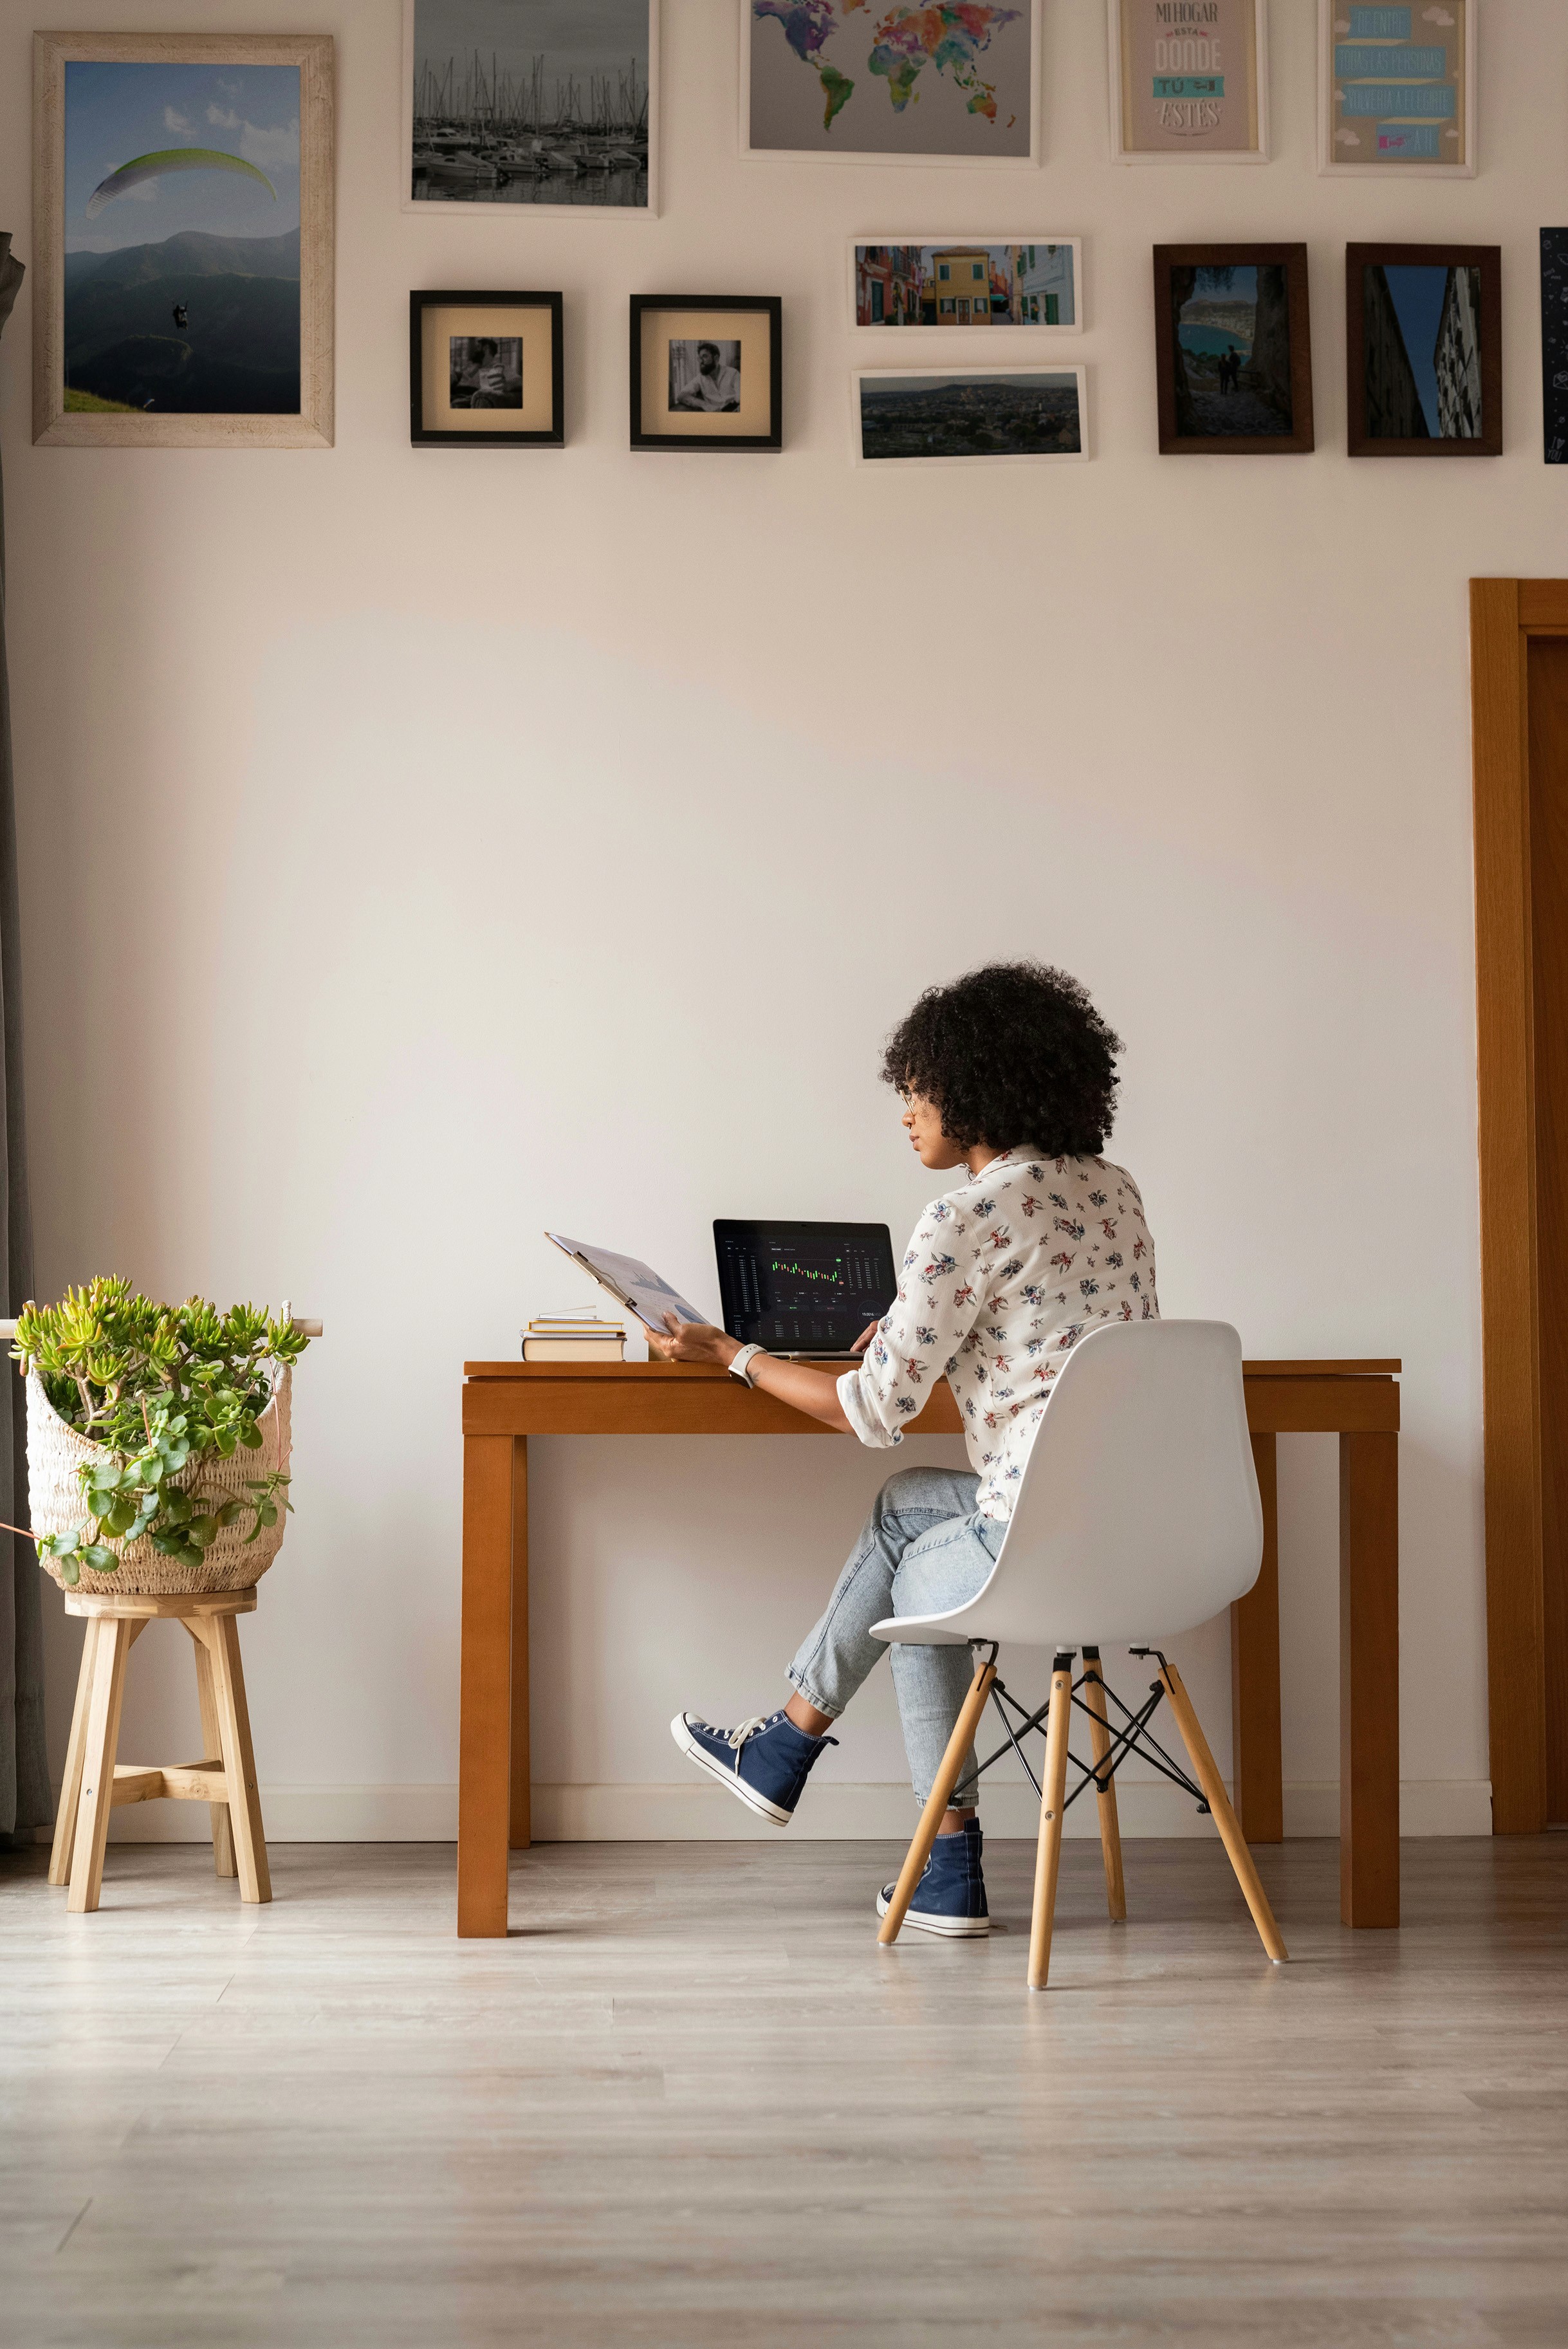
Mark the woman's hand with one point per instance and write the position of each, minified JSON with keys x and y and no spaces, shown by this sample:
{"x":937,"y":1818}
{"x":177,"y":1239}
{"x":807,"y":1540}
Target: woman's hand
{"x":865,"y":1338}
{"x":691,"y":1341}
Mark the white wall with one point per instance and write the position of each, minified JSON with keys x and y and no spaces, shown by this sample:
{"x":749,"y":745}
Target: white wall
{"x":419,"y":848}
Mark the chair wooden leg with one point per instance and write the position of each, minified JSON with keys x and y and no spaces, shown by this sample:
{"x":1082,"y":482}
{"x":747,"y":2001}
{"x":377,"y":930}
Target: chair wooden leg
{"x":946,"y":1779}
{"x":1110,"y":1824}
{"x":1048,"y":1855}
{"x":222,"y":1635}
{"x":1225,"y":1819}
{"x":100,"y":1740}
{"x":76,"y":1747}
{"x":212,"y":1751}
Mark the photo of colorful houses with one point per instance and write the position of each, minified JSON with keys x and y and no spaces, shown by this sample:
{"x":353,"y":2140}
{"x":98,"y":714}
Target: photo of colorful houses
{"x":966,"y":283}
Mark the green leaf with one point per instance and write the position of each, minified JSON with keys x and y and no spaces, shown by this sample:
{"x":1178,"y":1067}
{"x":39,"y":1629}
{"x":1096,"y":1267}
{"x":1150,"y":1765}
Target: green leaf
{"x":231,"y":1512}
{"x":70,"y":1574}
{"x":202,"y":1530}
{"x":62,"y":1545}
{"x":101,"y":1560}
{"x":169,"y":1544}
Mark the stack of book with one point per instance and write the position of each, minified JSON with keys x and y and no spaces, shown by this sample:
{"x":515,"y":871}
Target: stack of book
{"x":573,"y":1337}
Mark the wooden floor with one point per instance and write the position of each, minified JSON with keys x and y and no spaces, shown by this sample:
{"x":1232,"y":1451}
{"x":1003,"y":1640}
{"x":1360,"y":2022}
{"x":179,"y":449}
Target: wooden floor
{"x":689,"y":2101}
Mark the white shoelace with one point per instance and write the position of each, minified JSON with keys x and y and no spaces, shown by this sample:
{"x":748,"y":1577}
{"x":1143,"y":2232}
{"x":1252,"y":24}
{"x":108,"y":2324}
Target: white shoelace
{"x":737,"y":1737}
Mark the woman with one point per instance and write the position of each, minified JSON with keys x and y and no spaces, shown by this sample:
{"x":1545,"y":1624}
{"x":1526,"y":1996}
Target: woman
{"x":1009,"y":1074}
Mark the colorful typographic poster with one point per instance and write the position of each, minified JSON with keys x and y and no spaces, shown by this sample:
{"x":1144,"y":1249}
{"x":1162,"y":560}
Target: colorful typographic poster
{"x":950,"y":80}
{"x":960,"y":282}
{"x":182,"y":239}
{"x":971,"y":413}
{"x":1187,"y":78}
{"x":540,"y":102}
{"x":1397,"y":84}
{"x":1554,"y":342}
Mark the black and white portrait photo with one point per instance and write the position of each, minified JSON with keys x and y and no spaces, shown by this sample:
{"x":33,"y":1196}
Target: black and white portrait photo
{"x":705,"y":377}
{"x":486,"y":370}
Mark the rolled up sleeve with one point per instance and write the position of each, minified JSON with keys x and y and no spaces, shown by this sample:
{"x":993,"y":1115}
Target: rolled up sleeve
{"x":936,"y":1307}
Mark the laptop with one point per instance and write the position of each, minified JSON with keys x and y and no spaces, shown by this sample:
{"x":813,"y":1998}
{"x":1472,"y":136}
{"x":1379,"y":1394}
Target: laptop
{"x":803,"y":1290}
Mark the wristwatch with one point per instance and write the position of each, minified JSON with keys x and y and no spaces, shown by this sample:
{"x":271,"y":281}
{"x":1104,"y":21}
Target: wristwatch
{"x":740,"y":1363}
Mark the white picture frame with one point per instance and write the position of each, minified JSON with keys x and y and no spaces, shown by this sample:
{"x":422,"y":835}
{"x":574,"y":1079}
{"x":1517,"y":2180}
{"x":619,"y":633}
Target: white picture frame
{"x":881,"y":158}
{"x":1391,"y":172}
{"x":877,"y":331}
{"x":1178,"y":157}
{"x":971,"y":367}
{"x":470,"y":210}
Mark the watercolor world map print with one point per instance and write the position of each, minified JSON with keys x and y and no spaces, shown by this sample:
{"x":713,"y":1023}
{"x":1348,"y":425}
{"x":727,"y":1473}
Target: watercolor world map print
{"x":851,"y":76}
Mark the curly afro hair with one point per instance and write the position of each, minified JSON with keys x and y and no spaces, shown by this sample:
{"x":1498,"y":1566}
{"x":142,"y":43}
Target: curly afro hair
{"x":1013,"y":1055}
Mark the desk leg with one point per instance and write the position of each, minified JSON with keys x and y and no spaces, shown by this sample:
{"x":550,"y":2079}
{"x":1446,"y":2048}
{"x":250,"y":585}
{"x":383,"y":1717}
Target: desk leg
{"x":1369,"y":1680}
{"x":485,"y":1724}
{"x":1256,"y":1766}
{"x":522,"y":1774}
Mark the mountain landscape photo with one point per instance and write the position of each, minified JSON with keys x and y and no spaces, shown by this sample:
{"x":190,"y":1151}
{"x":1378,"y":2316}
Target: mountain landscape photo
{"x":181,"y":244}
{"x":197,"y":324}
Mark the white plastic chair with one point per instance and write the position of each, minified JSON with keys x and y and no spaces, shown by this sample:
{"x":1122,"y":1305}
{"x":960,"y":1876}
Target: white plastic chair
{"x":1138,"y":1518}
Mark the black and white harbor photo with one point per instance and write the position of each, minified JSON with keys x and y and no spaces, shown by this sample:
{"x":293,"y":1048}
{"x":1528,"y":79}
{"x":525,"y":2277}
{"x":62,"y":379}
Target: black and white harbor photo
{"x":544,"y":102}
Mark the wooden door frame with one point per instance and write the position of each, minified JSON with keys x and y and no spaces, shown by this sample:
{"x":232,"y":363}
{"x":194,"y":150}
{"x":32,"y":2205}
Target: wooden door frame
{"x":1505,"y":613}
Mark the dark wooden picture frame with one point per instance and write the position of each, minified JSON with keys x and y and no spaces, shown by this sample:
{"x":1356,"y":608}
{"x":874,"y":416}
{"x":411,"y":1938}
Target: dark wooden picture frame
{"x":1174,"y":442}
{"x":424,"y":436}
{"x":1486,"y":260}
{"x":768,"y":306}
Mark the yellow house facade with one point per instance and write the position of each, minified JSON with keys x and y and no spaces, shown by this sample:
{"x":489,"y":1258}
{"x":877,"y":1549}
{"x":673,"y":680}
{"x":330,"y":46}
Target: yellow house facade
{"x":960,"y":283}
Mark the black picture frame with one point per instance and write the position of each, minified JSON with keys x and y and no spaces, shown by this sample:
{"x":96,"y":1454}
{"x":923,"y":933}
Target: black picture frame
{"x":1293,"y":259}
{"x":1486,"y":260}
{"x":771,"y":305}
{"x":423,"y":436}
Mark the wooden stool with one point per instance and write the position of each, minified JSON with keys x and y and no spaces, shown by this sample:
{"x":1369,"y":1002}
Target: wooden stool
{"x":94,"y":1784}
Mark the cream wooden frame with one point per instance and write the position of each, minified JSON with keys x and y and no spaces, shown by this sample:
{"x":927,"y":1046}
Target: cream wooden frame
{"x":53,"y":425}
{"x":1259,"y":154}
{"x":1391,"y":173}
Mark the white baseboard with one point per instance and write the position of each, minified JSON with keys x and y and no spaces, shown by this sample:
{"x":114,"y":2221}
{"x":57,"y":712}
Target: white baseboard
{"x":692,"y":1812}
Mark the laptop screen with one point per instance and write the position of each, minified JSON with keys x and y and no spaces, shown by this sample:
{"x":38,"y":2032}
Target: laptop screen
{"x":812,"y":1286}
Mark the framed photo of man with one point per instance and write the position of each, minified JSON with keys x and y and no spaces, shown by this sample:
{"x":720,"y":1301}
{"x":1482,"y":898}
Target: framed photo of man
{"x":707,"y":371}
{"x":1189,"y":81}
{"x":1396,"y":90}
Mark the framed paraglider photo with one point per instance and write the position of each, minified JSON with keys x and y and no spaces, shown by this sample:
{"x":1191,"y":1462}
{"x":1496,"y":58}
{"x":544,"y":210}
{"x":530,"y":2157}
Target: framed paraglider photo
{"x":183,"y":239}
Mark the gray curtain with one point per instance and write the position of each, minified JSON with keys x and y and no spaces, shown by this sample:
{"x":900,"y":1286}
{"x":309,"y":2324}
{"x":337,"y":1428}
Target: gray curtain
{"x":24,"y":1802}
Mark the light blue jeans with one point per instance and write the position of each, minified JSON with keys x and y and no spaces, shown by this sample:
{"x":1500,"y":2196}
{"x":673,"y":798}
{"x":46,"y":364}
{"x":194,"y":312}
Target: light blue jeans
{"x":922,"y":1549}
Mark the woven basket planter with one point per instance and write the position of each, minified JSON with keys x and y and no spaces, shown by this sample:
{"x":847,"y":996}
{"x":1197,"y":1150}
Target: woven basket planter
{"x":56,"y":1451}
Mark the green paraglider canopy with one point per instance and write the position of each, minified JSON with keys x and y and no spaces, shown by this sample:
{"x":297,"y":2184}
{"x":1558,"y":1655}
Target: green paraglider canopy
{"x":172,"y":159}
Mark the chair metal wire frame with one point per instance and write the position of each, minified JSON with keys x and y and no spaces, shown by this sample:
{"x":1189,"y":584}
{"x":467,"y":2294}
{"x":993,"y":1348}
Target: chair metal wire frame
{"x":1133,"y":1736}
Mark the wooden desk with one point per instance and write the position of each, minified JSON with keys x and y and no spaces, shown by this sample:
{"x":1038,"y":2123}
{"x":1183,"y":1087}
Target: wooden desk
{"x":503,"y":1404}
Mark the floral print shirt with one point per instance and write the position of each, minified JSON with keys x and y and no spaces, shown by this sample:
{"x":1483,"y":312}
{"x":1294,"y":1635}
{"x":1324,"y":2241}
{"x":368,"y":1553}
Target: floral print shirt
{"x":1001,"y":1278}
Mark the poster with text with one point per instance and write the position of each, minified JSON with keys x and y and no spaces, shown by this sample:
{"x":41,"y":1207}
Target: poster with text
{"x":1187,"y":79}
{"x":1397,"y":86}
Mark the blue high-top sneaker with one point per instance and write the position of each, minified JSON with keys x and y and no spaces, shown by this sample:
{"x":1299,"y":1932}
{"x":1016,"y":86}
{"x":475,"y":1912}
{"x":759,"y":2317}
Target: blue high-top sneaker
{"x":950,"y":1896}
{"x":766,"y":1761}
